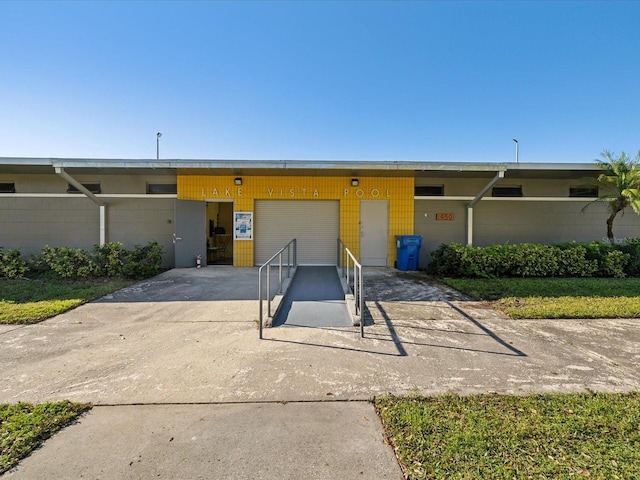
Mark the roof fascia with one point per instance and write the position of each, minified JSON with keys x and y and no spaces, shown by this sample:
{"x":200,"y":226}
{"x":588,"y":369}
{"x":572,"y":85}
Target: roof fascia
{"x":552,"y":166}
{"x":265,"y":164}
{"x":361,"y":165}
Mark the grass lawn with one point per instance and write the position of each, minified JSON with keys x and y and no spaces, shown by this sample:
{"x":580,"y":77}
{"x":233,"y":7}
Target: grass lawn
{"x":26,"y":301}
{"x":24,"y":427}
{"x":557,"y":297}
{"x":499,"y":436}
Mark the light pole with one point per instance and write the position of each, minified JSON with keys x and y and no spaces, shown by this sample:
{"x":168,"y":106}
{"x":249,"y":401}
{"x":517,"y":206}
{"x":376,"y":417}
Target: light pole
{"x":517,"y":145}
{"x":158,"y":145}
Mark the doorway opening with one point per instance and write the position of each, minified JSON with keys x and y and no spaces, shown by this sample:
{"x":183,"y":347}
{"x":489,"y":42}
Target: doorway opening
{"x":219,"y":233}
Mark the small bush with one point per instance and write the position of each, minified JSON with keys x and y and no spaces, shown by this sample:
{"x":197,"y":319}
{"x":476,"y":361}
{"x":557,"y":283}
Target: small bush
{"x":573,"y":261}
{"x":65,"y":262}
{"x":143,"y":261}
{"x":481,"y":262}
{"x":535,"y":260}
{"x":11,"y":264}
{"x":632,"y":247}
{"x":531,"y":260}
{"x":445,"y":260}
{"x":615,"y":263}
{"x":109,"y":259}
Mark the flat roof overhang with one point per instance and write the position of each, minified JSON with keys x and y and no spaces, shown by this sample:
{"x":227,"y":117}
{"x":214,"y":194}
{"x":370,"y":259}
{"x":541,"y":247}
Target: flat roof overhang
{"x":300,"y":167}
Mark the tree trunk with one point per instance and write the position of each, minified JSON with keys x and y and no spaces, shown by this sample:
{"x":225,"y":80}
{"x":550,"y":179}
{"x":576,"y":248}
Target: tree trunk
{"x":610,"y":227}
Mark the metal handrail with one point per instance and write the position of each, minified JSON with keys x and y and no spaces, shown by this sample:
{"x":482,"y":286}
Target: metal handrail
{"x":345,"y":258}
{"x":292,"y":245}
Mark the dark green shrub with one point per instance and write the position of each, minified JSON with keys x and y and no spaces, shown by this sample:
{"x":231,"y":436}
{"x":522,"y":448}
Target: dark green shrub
{"x":475,"y":262}
{"x":455,"y":260}
{"x":445,"y":260}
{"x":110,"y":259}
{"x":11,"y":264}
{"x":597,"y":251}
{"x":532,"y":260}
{"x":573,"y":262}
{"x":503,"y":258}
{"x":615,"y":263}
{"x":65,"y":262}
{"x":632,"y":247}
{"x":617,"y":260}
{"x":143,"y":261}
{"x":486,"y":262}
{"x":536,"y":260}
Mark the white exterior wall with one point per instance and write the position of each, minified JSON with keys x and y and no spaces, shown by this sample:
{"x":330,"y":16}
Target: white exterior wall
{"x":31,"y":223}
{"x":546,"y":222}
{"x":53,"y":217}
{"x":138,"y":221}
{"x":435,"y":233}
{"x":515,"y":220}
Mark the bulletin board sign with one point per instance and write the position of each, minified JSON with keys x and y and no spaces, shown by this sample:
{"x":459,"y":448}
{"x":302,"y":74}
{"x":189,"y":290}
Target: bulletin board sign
{"x":243,"y":226}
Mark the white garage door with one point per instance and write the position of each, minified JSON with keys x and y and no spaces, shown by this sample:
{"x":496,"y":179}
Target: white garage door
{"x":315,"y":223}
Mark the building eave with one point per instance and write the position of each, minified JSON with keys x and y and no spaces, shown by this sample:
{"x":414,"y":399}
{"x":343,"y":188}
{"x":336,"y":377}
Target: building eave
{"x":351,"y":166}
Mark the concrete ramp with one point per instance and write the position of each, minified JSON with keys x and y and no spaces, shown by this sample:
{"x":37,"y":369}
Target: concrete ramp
{"x":315,"y":298}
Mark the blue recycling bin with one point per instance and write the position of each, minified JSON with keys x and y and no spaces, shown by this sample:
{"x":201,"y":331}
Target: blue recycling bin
{"x":408,"y":247}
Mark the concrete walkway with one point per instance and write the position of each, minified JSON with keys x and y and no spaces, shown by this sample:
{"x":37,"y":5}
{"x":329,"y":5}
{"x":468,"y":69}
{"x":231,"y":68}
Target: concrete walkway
{"x":235,"y":441}
{"x":184,"y":388}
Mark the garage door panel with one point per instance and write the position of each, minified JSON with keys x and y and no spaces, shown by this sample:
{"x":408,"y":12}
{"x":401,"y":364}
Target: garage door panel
{"x":315,"y":223}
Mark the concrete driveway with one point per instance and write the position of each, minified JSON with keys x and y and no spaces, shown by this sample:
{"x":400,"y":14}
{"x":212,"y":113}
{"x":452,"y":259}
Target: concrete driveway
{"x":184,"y":345}
{"x":191,"y":336}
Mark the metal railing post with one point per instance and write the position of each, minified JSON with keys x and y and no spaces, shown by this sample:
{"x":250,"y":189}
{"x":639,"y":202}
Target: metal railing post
{"x":291,"y":245}
{"x":345,"y":257}
{"x":269,"y":290}
{"x":260,"y":300}
{"x":280,"y":272}
{"x":361,"y":304}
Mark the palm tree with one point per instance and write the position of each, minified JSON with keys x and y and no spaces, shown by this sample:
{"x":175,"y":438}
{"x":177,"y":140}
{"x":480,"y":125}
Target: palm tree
{"x":618,"y":185}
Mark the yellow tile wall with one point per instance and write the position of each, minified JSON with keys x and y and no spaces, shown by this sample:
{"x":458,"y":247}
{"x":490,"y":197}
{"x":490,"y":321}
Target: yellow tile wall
{"x":398,"y":191}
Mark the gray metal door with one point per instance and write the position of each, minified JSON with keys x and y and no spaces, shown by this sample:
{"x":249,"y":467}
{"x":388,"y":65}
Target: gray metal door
{"x":374,"y":233}
{"x":190,"y":234}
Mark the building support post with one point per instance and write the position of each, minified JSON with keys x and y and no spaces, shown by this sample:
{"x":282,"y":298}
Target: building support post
{"x":103,"y":224}
{"x":470,"y":206}
{"x":469,"y":225}
{"x":101,"y":204}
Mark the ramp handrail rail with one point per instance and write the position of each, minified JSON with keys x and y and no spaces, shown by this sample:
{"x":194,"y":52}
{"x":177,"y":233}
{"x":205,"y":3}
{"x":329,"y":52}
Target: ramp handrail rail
{"x":292,"y":245}
{"x":345,"y":259}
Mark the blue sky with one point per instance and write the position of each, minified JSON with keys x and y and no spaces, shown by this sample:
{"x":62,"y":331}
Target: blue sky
{"x":326,"y":80}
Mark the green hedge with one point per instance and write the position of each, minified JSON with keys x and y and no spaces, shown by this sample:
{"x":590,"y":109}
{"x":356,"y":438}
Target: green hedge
{"x":573,"y":259}
{"x":11,"y":264}
{"x":108,"y":260}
